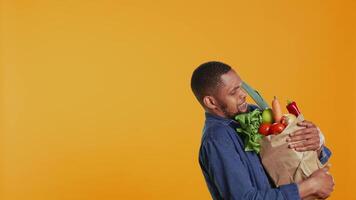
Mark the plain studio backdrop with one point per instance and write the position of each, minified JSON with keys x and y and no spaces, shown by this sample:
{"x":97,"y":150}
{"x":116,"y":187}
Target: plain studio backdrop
{"x":96,"y":100}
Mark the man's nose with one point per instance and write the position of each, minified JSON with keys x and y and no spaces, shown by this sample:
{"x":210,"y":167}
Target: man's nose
{"x":243,"y":94}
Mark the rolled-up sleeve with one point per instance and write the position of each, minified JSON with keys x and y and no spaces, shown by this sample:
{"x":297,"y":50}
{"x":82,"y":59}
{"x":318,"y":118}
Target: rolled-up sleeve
{"x":231,"y":177}
{"x":325,"y":155}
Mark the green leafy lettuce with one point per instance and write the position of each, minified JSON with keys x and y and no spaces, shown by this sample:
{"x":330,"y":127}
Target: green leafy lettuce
{"x":249,"y":124}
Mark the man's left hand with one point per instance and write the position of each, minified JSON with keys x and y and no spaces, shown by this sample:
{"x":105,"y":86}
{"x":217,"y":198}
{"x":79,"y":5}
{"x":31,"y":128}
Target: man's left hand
{"x":305,"y":139}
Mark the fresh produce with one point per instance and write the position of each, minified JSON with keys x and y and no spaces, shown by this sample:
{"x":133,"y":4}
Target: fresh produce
{"x":249,"y":125}
{"x":284,"y":121}
{"x":276,"y":128}
{"x":264,"y":129}
{"x":293,"y":108}
{"x":256,"y":124}
{"x":276,"y":109}
{"x":267,"y":116}
{"x":255,"y":96}
{"x":287,"y":119}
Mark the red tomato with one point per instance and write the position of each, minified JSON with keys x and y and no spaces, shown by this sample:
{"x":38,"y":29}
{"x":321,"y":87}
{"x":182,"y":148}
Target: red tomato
{"x":276,"y":128}
{"x":264,"y":129}
{"x":284,"y":121}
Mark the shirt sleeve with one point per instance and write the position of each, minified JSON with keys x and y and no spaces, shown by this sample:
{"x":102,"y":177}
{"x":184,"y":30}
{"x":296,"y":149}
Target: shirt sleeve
{"x":325,"y":154}
{"x":231,"y":176}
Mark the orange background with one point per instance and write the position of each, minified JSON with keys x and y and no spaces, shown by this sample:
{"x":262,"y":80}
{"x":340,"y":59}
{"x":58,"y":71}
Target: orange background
{"x":96,"y":101}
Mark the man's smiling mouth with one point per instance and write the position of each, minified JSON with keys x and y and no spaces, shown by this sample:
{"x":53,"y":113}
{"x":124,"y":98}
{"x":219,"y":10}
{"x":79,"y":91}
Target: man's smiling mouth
{"x":243,"y":106}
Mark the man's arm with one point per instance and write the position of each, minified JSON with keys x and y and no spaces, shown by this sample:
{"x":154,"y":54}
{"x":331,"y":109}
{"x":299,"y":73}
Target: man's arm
{"x":320,"y":184}
{"x":231,"y":176}
{"x":309,"y":138}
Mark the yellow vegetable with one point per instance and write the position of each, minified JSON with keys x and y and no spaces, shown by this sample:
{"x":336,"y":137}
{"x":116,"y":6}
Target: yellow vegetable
{"x":276,"y":109}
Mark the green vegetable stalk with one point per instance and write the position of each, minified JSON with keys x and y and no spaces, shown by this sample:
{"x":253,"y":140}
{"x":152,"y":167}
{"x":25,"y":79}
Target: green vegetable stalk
{"x":255,"y":96}
{"x":249,"y":124}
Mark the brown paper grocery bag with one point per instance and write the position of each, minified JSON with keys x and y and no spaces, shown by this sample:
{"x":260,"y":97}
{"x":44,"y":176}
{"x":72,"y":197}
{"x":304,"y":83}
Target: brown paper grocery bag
{"x":285,"y":165}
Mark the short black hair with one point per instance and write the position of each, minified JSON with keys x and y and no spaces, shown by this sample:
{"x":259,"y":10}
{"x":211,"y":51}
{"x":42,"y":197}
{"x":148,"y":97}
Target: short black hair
{"x":206,"y":78}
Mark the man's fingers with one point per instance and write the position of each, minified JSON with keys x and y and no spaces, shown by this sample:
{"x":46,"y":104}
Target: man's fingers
{"x":299,"y":138}
{"x":303,"y":134}
{"x":305,"y":139}
{"x":301,"y":131}
{"x":306,"y":124}
{"x":307,"y":148}
{"x":313,"y":141}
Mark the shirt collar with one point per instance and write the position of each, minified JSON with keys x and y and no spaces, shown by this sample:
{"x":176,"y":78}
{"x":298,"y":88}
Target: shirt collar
{"x":227,"y":121}
{"x":213,"y":117}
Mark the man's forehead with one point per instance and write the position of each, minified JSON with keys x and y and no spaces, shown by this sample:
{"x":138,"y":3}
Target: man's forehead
{"x":231,"y":80}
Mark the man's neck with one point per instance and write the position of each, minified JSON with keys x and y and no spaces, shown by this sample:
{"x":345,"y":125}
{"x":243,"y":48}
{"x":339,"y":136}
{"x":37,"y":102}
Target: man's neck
{"x":217,"y":112}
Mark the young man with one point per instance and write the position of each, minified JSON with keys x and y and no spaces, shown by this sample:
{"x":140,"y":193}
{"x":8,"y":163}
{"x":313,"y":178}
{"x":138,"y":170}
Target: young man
{"x":230,"y":172}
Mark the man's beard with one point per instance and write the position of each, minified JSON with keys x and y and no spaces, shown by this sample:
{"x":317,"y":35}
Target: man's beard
{"x":228,"y":114}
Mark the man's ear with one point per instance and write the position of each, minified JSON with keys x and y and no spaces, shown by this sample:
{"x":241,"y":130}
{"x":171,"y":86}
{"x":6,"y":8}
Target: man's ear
{"x":210,"y":102}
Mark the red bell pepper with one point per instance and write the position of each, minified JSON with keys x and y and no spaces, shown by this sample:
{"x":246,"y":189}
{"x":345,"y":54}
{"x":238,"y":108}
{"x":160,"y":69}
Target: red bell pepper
{"x":293,"y":108}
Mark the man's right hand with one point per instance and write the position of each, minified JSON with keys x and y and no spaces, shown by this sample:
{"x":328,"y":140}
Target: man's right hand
{"x":319,"y":184}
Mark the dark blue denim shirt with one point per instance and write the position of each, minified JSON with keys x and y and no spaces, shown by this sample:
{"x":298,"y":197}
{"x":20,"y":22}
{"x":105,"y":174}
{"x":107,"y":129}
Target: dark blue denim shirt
{"x":232,"y":173}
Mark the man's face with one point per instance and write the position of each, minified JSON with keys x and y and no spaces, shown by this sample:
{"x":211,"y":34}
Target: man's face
{"x":230,"y":96}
